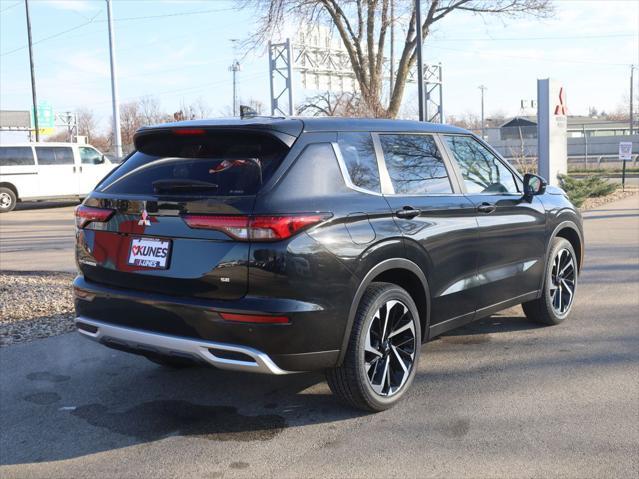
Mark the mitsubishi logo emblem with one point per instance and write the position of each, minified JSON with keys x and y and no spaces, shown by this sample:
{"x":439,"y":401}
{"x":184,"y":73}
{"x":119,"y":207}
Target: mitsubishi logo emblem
{"x":144,"y":221}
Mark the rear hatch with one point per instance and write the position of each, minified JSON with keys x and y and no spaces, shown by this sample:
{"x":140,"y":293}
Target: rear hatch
{"x":173,"y":217}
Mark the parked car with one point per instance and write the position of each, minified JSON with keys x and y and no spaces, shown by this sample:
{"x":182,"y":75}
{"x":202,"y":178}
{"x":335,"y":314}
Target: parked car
{"x":282,"y":245}
{"x":38,"y":171}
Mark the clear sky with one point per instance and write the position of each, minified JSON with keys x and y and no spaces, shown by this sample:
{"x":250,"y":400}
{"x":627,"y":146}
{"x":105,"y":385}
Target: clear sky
{"x":180,"y":50}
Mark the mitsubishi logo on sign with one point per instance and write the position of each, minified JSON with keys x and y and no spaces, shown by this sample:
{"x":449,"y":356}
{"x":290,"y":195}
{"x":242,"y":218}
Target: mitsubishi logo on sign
{"x":560,"y":107}
{"x":144,"y":221}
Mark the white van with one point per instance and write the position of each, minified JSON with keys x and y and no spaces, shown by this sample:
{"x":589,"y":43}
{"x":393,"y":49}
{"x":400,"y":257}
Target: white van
{"x":37,"y":171}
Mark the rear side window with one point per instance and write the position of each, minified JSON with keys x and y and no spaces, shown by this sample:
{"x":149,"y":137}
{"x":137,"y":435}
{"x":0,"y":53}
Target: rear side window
{"x":211,"y":164}
{"x":16,"y":156}
{"x":415,"y":165}
{"x":54,"y":155}
{"x":360,"y":160}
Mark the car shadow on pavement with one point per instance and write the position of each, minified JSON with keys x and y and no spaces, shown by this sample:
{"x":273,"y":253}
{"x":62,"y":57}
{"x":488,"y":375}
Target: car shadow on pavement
{"x":499,"y":323}
{"x":109,"y":405}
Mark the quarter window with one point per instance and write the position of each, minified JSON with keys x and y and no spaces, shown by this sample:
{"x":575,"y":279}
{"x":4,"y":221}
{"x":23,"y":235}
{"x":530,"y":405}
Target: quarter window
{"x":359,"y":156}
{"x":54,"y":155}
{"x":16,"y":156}
{"x":481,"y":171}
{"x":415,"y":165}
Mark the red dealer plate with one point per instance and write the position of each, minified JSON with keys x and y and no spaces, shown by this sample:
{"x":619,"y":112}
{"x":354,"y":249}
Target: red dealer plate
{"x":151,"y":253}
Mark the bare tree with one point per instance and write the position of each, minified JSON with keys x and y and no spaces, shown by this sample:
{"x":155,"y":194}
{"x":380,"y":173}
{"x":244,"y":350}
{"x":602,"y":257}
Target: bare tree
{"x":363,"y":26}
{"x":193,"y":111}
{"x":150,"y":111}
{"x":86,"y":123}
{"x":333,"y":104}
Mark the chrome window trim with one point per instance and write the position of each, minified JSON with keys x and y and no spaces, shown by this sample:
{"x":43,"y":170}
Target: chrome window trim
{"x":519,"y":179}
{"x":387,"y":185}
{"x":347,"y":177}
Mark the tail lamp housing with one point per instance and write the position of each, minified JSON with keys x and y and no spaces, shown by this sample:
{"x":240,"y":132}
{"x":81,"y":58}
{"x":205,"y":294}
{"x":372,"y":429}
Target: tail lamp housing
{"x":256,"y":228}
{"x":85,"y":215}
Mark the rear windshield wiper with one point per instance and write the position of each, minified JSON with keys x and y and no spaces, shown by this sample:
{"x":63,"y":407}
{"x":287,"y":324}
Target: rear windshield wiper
{"x":177,"y":185}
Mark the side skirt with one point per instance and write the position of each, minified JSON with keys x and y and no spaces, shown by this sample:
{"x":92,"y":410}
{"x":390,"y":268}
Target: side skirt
{"x":444,"y":326}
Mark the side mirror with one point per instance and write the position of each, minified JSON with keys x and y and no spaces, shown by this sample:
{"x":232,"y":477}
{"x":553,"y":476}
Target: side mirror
{"x":100,"y":160}
{"x":533,"y":185}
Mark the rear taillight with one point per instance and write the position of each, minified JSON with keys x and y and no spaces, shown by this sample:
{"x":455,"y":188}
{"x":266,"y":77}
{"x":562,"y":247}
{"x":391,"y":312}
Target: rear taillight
{"x":88,"y":214}
{"x":256,"y":228}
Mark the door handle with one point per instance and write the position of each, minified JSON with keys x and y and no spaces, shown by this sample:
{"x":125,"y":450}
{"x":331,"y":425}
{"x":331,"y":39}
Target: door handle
{"x":408,"y":212}
{"x":80,"y":167}
{"x":74,"y":169}
{"x":486,"y":208}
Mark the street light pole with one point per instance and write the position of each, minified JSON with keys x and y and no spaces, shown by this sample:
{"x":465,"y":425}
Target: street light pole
{"x":234,"y":68}
{"x":420,"y":61}
{"x":483,"y":128}
{"x":632,"y":81}
{"x":117,"y":137}
{"x":33,"y":85}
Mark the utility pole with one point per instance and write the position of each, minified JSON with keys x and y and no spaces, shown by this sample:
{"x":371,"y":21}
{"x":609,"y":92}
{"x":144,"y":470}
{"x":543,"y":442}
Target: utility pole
{"x":117,"y":136}
{"x":632,"y":81}
{"x":235,"y":67}
{"x":420,"y":61}
{"x":392,"y":47}
{"x":33,"y":84}
{"x":483,"y":127}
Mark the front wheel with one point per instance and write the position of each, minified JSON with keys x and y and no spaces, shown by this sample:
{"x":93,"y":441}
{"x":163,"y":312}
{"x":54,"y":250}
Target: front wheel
{"x":383,"y":350}
{"x":560,"y":286}
{"x":8,"y":200}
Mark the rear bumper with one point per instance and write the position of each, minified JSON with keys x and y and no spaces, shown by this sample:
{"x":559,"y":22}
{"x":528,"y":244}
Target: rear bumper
{"x":220,"y":355}
{"x":142,"y":322}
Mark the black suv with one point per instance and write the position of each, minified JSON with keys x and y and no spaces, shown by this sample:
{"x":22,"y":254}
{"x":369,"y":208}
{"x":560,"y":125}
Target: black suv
{"x":278,"y":245}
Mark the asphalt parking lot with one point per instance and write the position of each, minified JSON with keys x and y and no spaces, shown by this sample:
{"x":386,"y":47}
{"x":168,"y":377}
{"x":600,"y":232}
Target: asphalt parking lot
{"x":499,"y":398}
{"x":38,"y":237}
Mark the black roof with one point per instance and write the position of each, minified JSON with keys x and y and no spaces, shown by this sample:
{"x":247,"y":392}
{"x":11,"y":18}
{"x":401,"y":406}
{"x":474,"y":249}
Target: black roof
{"x":295,"y":125}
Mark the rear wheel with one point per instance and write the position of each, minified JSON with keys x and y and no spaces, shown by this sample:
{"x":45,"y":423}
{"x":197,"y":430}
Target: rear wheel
{"x":8,"y":200}
{"x":560,"y":286}
{"x":383,"y":350}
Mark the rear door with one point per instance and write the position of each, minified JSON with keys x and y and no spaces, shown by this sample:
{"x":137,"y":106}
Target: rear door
{"x":179,"y":207}
{"x":437,"y":221}
{"x":511,"y":229}
{"x":57,"y":171}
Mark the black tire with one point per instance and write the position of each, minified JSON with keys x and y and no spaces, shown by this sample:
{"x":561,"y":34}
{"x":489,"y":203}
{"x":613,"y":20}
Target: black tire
{"x":544,"y":310}
{"x":350,"y":382}
{"x":8,"y":200}
{"x":171,"y":361}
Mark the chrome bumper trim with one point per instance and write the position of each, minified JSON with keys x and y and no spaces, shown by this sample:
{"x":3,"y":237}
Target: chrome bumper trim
{"x":170,"y":345}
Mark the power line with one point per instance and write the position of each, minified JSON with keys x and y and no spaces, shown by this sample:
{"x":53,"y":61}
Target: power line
{"x":125,"y":19}
{"x":520,"y":57}
{"x":510,"y":39}
{"x":10,"y":7}
{"x":55,"y":35}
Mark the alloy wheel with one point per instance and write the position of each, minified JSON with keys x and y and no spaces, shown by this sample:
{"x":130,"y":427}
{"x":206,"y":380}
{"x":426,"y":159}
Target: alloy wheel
{"x":389,"y":353}
{"x":562,"y":285}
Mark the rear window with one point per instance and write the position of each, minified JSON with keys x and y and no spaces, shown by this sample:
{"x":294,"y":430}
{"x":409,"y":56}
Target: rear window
{"x":213,"y":164}
{"x":16,"y":156}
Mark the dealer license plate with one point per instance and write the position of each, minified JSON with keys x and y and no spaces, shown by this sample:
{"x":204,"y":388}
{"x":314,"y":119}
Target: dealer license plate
{"x":150,"y":253}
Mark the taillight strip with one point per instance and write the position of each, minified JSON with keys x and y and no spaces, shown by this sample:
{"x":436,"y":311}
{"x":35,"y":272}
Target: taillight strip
{"x":89,"y":214}
{"x":256,"y":228}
